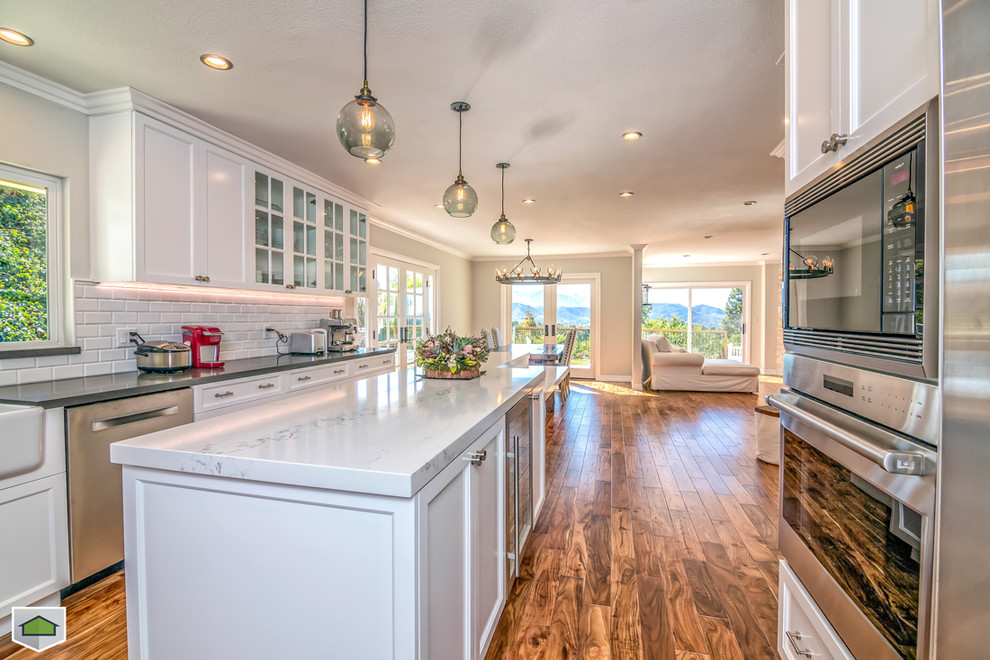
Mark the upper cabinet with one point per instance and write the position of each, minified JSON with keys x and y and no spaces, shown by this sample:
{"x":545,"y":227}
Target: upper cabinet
{"x":854,"y":68}
{"x":172,"y":207}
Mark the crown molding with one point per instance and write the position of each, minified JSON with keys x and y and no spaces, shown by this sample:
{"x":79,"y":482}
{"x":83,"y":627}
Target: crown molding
{"x":713,"y":264}
{"x":408,"y":233}
{"x":778,"y":151}
{"x":44,"y":88}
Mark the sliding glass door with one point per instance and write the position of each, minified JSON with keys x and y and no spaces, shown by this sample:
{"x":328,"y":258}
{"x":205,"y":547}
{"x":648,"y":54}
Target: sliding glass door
{"x":538,"y":314}
{"x":710,"y":320}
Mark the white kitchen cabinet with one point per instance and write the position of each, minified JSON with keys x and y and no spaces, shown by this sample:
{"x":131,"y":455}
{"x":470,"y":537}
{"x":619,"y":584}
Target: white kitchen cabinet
{"x":303,"y":240}
{"x":854,"y":68}
{"x":802,"y":629}
{"x":168,"y":207}
{"x":461,"y":551}
{"x":34,"y":554}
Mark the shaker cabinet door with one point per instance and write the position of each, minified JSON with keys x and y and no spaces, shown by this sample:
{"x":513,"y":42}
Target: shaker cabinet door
{"x":165,"y":163}
{"x":225,"y":230}
{"x":892,"y":47}
{"x":487,"y":565}
{"x":813,"y":88}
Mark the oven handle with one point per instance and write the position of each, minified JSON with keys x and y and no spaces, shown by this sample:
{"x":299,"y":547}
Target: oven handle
{"x":895,"y":462}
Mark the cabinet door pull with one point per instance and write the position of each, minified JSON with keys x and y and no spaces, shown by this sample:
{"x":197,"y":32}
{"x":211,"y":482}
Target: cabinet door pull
{"x":266,"y":386}
{"x":477,"y":457}
{"x":362,"y":366}
{"x":302,"y":379}
{"x":834,"y":142}
{"x":290,"y":286}
{"x":223,"y":395}
{"x":792,"y":636}
{"x":339,"y":371}
{"x":206,"y":278}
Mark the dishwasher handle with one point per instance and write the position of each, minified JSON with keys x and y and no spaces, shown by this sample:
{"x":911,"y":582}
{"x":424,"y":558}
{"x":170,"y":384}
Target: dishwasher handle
{"x":895,"y":462}
{"x":114,"y":422}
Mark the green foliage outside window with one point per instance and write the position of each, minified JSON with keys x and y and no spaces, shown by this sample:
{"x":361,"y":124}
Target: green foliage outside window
{"x":23,"y":264}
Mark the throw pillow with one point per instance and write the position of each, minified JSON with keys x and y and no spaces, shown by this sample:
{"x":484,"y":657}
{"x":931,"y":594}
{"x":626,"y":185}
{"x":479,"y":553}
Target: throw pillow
{"x":663,"y":345}
{"x":678,"y":349}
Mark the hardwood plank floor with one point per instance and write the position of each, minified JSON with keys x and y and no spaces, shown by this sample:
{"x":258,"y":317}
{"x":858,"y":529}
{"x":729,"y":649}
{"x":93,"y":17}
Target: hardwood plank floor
{"x":657,"y":540}
{"x":667,"y":524}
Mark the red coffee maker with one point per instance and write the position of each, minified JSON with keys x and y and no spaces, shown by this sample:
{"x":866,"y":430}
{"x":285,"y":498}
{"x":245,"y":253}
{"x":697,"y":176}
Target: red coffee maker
{"x":205,"y":344}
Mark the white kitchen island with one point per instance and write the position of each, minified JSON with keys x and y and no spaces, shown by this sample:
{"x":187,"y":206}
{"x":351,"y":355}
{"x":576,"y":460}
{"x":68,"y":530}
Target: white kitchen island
{"x":362,"y":520}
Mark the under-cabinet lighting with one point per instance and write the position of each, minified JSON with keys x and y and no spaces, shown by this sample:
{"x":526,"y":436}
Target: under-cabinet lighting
{"x":216,"y":292}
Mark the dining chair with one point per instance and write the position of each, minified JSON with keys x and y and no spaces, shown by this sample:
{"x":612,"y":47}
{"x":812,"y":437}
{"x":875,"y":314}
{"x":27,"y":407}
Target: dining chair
{"x":497,"y":338}
{"x":484,"y":338}
{"x":565,"y":384}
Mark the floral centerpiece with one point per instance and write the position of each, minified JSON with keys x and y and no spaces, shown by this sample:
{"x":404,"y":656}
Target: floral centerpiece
{"x":448,"y":356}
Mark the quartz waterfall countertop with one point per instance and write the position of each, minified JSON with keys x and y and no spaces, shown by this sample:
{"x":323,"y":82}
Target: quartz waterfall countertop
{"x":387,"y":435}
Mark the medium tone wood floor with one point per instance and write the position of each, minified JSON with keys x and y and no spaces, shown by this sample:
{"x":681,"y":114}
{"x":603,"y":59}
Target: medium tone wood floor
{"x":657,"y":540}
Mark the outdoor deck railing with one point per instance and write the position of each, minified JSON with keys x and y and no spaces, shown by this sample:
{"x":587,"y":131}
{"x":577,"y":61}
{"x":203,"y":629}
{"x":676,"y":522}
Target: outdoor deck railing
{"x":710,"y":343}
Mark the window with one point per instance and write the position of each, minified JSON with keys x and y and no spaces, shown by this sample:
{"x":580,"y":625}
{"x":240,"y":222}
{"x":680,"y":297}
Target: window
{"x":705,"y":319}
{"x":30,"y":288}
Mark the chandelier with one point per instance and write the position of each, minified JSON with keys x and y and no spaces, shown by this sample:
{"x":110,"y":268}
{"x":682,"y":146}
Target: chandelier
{"x":812,"y":268}
{"x":518,"y":274}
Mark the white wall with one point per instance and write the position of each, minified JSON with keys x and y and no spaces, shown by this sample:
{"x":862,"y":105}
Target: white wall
{"x":455,"y":274}
{"x":49,"y":138}
{"x":764,"y":303}
{"x":615,"y":299}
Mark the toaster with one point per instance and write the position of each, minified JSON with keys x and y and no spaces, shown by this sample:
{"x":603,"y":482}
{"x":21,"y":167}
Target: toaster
{"x":308,"y":342}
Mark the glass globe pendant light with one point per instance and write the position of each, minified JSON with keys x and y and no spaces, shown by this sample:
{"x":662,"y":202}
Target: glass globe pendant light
{"x":503,"y":232}
{"x":460,"y":200}
{"x":364,"y":126}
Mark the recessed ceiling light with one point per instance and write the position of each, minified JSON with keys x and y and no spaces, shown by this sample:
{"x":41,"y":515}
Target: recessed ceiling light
{"x":631,"y":136}
{"x":438,"y":206}
{"x":626,"y":193}
{"x":529,"y":201}
{"x":216,"y":62}
{"x":749,"y":202}
{"x":373,"y":161}
{"x":708,"y":236}
{"x":15,"y":37}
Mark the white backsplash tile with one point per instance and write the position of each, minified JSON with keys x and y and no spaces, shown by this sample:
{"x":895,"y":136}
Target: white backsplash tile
{"x":160,"y":315}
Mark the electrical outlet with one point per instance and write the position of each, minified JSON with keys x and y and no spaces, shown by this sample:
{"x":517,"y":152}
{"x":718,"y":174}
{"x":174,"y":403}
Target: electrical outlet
{"x":124,"y":336}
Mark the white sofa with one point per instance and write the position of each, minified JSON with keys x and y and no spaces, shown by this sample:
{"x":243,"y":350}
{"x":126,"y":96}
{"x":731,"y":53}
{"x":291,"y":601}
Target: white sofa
{"x":666,"y":367}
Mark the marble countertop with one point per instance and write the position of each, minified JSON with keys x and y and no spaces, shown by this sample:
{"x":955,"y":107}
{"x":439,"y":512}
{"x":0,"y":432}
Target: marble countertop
{"x":79,"y":391}
{"x":387,"y":435}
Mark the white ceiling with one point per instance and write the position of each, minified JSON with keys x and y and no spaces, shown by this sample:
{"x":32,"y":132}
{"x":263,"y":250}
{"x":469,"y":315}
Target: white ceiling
{"x":552,"y":86}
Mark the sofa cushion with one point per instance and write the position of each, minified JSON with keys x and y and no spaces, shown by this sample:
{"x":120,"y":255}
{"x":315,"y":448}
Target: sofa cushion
{"x":728,"y":368}
{"x":672,"y":359}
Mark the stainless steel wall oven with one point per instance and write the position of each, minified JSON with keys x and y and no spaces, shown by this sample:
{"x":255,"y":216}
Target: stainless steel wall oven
{"x":861,"y":247}
{"x":857,"y":503}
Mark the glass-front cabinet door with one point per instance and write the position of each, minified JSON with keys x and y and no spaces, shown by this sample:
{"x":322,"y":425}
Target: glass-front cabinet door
{"x":306,"y":239}
{"x":358,"y":252}
{"x":269,"y":230}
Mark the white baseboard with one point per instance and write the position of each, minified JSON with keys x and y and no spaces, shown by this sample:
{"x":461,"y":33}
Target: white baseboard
{"x":770,"y":372}
{"x":615,"y":379}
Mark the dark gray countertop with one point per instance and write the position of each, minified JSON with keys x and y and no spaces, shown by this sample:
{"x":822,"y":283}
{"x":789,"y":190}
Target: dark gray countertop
{"x":78,"y":391}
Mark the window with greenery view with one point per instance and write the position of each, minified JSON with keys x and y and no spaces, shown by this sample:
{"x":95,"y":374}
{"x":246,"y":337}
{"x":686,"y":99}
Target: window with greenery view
{"x":706,"y":320}
{"x":27,"y":245}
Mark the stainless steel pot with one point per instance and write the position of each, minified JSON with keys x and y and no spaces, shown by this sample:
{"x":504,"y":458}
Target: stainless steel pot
{"x":162,"y":356}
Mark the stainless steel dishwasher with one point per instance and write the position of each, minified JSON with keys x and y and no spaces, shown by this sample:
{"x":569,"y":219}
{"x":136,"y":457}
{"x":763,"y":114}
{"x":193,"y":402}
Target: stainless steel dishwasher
{"x":96,"y":527}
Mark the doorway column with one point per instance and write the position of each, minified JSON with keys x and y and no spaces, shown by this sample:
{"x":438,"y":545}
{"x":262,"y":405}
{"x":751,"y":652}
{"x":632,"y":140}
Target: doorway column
{"x":637,"y":298}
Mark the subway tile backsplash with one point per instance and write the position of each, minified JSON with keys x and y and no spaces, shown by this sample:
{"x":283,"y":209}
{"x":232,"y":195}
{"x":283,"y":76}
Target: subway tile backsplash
{"x":100,"y":310}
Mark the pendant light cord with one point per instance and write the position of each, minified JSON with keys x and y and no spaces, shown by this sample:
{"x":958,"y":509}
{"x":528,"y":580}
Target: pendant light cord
{"x":365,"y":43}
{"x":503,"y":192}
{"x":460,"y":137}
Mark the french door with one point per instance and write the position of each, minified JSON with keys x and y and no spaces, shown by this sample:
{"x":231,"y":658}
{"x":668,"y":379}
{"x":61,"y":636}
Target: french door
{"x":403,"y":305}
{"x":536,"y":314}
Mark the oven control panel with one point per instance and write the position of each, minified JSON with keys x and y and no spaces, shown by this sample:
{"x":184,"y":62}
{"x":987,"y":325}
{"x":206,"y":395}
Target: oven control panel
{"x":907,"y":406}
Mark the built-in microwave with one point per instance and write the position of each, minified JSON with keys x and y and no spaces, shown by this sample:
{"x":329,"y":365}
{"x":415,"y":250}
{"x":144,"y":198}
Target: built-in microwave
{"x":861,"y":251}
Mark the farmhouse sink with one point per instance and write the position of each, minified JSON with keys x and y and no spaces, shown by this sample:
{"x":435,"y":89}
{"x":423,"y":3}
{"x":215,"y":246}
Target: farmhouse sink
{"x":22,"y":447}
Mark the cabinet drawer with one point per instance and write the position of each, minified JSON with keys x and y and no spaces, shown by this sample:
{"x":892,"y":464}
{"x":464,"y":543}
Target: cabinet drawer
{"x":802,"y":626}
{"x":221,"y":395}
{"x":372,"y":365}
{"x":304,"y":378}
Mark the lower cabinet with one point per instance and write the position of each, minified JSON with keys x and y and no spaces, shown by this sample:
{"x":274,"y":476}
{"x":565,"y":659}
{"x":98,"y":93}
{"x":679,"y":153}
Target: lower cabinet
{"x":803,"y":631}
{"x":34,"y":556}
{"x":461,"y":544}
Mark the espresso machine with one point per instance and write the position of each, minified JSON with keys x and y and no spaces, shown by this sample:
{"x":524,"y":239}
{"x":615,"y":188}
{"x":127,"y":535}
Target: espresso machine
{"x":341,"y":334}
